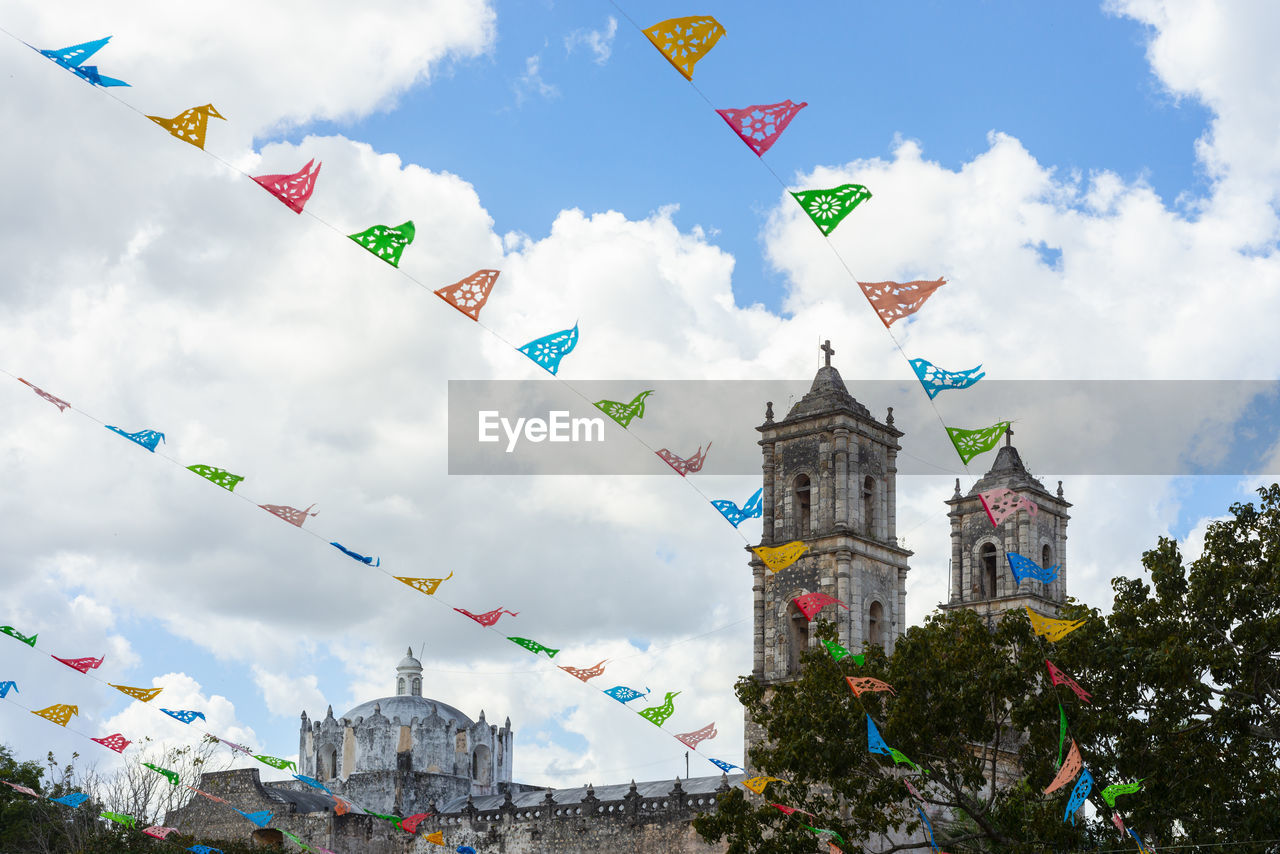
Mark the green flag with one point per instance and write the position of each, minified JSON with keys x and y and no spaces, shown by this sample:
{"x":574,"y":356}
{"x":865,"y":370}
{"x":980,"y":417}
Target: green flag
{"x":970,"y":443}
{"x":827,"y":207}
{"x":658,"y":715}
{"x":126,"y":820}
{"x":221,"y":477}
{"x":282,"y":764}
{"x":17,"y":635}
{"x":838,"y":652}
{"x":534,"y":647}
{"x":386,"y":242}
{"x":171,"y":776}
{"x":624,"y":412}
{"x":1062,"y":732}
{"x":900,"y":758}
{"x":1110,"y":792}
{"x":296,"y":841}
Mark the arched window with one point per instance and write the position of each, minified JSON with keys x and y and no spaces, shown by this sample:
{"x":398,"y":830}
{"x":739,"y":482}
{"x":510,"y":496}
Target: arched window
{"x":988,"y":561}
{"x":875,"y":623}
{"x":803,"y":504}
{"x":400,"y":686}
{"x":869,"y":506}
{"x":797,"y":638}
{"x":482,"y":766}
{"x":327,"y":762}
{"x":417,"y":687}
{"x":1046,"y":556}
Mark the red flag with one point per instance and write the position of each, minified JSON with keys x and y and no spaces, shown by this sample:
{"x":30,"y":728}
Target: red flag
{"x":682,"y":466}
{"x":470,"y":294}
{"x":894,"y":301}
{"x":811,"y":603}
{"x":56,"y":401}
{"x":693,"y":739}
{"x":1060,"y":678}
{"x":759,"y":126}
{"x":84,"y":665}
{"x":488,"y":618}
{"x":410,"y":824}
{"x":293,"y":190}
{"x":790,"y":810}
{"x":115,"y":741}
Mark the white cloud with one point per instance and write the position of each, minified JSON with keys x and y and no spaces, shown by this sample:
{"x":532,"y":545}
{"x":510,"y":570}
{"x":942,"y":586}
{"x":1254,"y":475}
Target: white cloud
{"x":532,"y":83}
{"x":599,"y":42}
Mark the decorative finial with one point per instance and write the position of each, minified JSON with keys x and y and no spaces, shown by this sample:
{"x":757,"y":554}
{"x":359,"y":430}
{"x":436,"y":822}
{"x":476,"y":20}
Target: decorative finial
{"x":409,"y":652}
{"x":889,"y":418}
{"x":1059,"y":489}
{"x":957,"y":495}
{"x":829,"y":350}
{"x":1008,"y":436}
{"x":768,"y":412}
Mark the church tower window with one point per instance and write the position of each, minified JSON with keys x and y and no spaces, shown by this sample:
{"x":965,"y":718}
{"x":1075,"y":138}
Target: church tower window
{"x":987,"y":557}
{"x":417,"y":687}
{"x":875,"y":624}
{"x":327,"y":766}
{"x":797,"y":638}
{"x":803,"y":505}
{"x":1046,"y":556}
{"x":869,"y":505}
{"x":400,"y":687}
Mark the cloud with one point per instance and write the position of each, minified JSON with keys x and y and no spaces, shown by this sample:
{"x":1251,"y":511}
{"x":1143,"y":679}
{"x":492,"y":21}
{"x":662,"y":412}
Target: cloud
{"x":599,"y":42}
{"x":531,"y":82}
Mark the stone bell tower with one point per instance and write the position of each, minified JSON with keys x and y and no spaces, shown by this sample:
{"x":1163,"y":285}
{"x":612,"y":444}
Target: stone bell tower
{"x":830,"y":471}
{"x":980,"y":575}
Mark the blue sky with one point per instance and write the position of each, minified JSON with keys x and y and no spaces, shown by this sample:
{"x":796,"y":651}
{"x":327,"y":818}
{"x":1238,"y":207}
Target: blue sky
{"x":184,"y":298}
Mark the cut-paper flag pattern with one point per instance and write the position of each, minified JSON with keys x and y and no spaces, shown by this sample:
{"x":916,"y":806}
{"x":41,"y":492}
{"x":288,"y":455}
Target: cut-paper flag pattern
{"x":1051,"y":629}
{"x":858,"y":684}
{"x":736,"y":515}
{"x":74,"y":799}
{"x":680,"y":465}
{"x":896,"y":300}
{"x":115,"y":741}
{"x":828,"y":207}
{"x":777,"y":558}
{"x":1024,"y":568}
{"x":684,"y":41}
{"x":424,"y":585}
{"x":935,"y":379}
{"x":171,"y":776}
{"x":811,"y":603}
{"x":1068,"y":771}
{"x":368,"y":561}
{"x":148,"y":439}
{"x":548,"y":350}
{"x":189,"y":125}
{"x":658,"y":715}
{"x":56,"y":401}
{"x":1060,"y":678}
{"x":159,"y":832}
{"x":624,"y":412}
{"x":292,"y":515}
{"x":838,"y":653}
{"x":84,"y":665}
{"x":1000,"y":503}
{"x":23,"y":789}
{"x":19,"y":636}
{"x":726,"y":767}
{"x":470,"y":294}
{"x":585,"y":673}
{"x":929,"y":827}
{"x":1110,"y":793}
{"x":274,"y":762}
{"x":624,"y":695}
{"x":534,"y":647}
{"x":220,"y":477}
{"x":760,"y":125}
{"x":261,"y":818}
{"x":60,"y":714}
{"x":6,"y":687}
{"x":410,"y":824}
{"x":693,"y":739}
{"x":312,"y":782}
{"x":184,"y":715}
{"x":1081,"y":791}
{"x":970,"y":443}
{"x":757,"y":784}
{"x":488,"y":618}
{"x":126,"y":820}
{"x":295,"y":189}
{"x":71,"y":58}
{"x":386,"y":242}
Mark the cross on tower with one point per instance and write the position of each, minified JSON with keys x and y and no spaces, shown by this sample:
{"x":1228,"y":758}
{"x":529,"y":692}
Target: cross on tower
{"x":1008,"y":436}
{"x":828,"y":349}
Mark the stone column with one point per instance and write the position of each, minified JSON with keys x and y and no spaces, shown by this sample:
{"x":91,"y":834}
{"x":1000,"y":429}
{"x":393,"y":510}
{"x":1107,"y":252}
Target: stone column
{"x":900,"y":615}
{"x":957,"y":559}
{"x":757,"y":598}
{"x":844,"y":559}
{"x":841,"y":475}
{"x":767,"y":507}
{"x":891,"y":496}
{"x":858,"y":605}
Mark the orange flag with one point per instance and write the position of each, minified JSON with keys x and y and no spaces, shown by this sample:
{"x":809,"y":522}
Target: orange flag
{"x":470,"y":294}
{"x":866,"y":683}
{"x":59,"y":714}
{"x":684,"y":41}
{"x":437,"y":838}
{"x":1070,"y":768}
{"x":143,"y":694}
{"x":189,"y":125}
{"x":585,"y":673}
{"x":425,"y":585}
{"x":894,"y":301}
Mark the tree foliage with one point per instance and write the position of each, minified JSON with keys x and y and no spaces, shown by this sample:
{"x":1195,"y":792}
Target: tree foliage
{"x":1184,"y":675}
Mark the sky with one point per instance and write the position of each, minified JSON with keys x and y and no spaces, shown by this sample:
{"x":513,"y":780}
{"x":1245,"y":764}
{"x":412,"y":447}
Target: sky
{"x":1098,"y":183}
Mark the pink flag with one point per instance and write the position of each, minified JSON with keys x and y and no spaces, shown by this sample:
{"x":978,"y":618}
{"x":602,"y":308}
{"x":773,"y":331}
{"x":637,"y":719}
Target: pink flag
{"x":293,"y":190}
{"x":790,"y":810}
{"x":237,"y":747}
{"x":1118,"y":822}
{"x":488,"y":618}
{"x":22,"y":789}
{"x":56,"y":401}
{"x":682,"y":466}
{"x":115,"y":741}
{"x":1000,"y":503}
{"x":894,"y":301}
{"x":159,"y":832}
{"x":207,"y":795}
{"x":693,"y":739}
{"x":84,"y":665}
{"x":811,"y":603}
{"x":759,"y":126}
{"x":292,"y":515}
{"x":1060,"y":678}
{"x":585,"y":673}
{"x":410,"y":824}
{"x":912,"y":790}
{"x":866,"y":683}
{"x":1070,"y":768}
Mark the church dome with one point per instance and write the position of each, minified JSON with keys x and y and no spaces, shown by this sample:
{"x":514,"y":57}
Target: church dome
{"x":409,"y":662}
{"x":406,"y":708}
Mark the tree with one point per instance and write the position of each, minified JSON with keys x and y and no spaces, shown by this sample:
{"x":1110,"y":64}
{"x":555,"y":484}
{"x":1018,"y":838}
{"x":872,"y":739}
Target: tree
{"x":1185,"y":682}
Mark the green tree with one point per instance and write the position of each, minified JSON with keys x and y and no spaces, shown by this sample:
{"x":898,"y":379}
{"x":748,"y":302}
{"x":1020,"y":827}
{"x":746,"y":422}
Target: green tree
{"x":1185,"y":690}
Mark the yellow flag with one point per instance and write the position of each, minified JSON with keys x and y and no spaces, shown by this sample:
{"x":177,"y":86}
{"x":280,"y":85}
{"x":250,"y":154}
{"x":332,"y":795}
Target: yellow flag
{"x":59,"y":714}
{"x":189,"y":125}
{"x":1051,"y":629}
{"x":143,"y":694}
{"x":757,"y":784}
{"x":780,"y":557}
{"x":426,"y":585}
{"x":683,"y":41}
{"x":437,"y":837}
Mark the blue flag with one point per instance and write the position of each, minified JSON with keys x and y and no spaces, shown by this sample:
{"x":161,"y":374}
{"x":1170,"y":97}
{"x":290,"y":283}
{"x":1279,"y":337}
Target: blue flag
{"x":261,"y":818}
{"x":5,"y":687}
{"x":932,"y":843}
{"x":146,"y":438}
{"x":71,"y":57}
{"x":1023,"y":568}
{"x":356,"y":556}
{"x":183,"y":715}
{"x":74,"y":799}
{"x":624,"y":695}
{"x":204,"y":849}
{"x":736,"y":515}
{"x":934,"y":379}
{"x":312,"y":782}
{"x":548,"y":350}
{"x":726,"y":767}
{"x":875,"y":743}
{"x":1084,"y":785}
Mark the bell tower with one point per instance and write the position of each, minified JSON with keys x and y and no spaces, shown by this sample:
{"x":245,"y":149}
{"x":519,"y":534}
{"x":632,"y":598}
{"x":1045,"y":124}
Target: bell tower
{"x":830,"y":482}
{"x":1032,"y":523}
